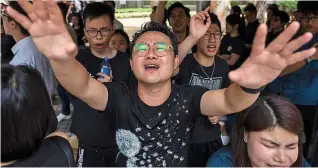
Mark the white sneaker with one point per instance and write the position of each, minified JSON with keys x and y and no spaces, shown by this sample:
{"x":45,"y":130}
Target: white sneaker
{"x":61,"y":117}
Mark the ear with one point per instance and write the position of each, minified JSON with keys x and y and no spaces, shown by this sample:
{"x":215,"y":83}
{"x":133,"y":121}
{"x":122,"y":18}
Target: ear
{"x":245,"y":136}
{"x":176,"y":62}
{"x":130,"y":61}
{"x":13,"y":24}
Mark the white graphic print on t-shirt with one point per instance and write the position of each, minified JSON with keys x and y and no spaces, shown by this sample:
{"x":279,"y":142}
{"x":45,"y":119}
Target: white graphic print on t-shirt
{"x":157,"y":145}
{"x":209,"y":83}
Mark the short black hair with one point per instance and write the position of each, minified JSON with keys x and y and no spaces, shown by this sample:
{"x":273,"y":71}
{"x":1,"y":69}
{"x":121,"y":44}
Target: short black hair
{"x":123,"y":33}
{"x":250,"y":8}
{"x":26,"y":112}
{"x":214,"y":19}
{"x":308,"y":7}
{"x":97,"y":9}
{"x":273,"y":7}
{"x":17,"y":7}
{"x":178,"y":5}
{"x":112,"y":2}
{"x":284,"y":17}
{"x":158,"y":27}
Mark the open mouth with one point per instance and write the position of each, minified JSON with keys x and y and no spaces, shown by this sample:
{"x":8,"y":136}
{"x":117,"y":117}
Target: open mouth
{"x":151,"y":67}
{"x":211,"y":48}
{"x":99,"y":45}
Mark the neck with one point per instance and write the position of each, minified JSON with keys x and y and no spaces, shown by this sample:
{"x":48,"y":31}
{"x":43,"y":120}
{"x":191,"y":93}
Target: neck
{"x":76,"y":27}
{"x":234,"y":33}
{"x":19,"y":36}
{"x":154,"y":94}
{"x":107,"y":52}
{"x":204,"y":60}
{"x":7,"y":163}
{"x":182,"y":35}
{"x":252,"y":20}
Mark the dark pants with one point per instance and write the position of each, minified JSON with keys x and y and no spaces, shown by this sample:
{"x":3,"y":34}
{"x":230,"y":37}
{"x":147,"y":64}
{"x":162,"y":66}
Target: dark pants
{"x":65,"y":100}
{"x":94,"y":156}
{"x":308,"y":115}
{"x":200,"y":153}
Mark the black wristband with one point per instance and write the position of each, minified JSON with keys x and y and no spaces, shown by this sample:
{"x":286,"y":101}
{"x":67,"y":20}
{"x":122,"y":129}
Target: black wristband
{"x":251,"y":91}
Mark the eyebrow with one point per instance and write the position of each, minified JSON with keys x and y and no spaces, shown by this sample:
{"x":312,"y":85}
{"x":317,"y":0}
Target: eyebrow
{"x":277,"y":144}
{"x":97,"y":28}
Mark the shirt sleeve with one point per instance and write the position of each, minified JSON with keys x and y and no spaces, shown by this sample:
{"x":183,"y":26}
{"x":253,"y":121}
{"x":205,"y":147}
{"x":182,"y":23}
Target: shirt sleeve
{"x":197,"y":93}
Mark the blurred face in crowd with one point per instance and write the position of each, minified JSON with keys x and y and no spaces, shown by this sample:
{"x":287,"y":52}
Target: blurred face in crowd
{"x":276,"y":23}
{"x":269,"y":14}
{"x":118,"y":42}
{"x":98,"y":32}
{"x":230,"y":28}
{"x":249,"y":16}
{"x":309,"y":22}
{"x":209,"y":44}
{"x":75,"y":20}
{"x":275,"y":147}
{"x":179,"y":20}
{"x":153,"y":60}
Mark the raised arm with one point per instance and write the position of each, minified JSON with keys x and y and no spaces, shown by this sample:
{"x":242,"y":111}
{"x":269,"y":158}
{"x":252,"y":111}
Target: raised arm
{"x":261,"y":68}
{"x":159,"y":14}
{"x":46,"y":26}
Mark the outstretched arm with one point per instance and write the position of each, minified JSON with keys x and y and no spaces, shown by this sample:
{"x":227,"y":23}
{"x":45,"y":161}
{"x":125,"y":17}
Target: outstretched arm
{"x":261,"y":68}
{"x":47,"y":28}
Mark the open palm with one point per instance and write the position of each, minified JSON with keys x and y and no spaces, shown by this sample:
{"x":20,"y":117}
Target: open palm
{"x":265,"y":64}
{"x":197,"y":26}
{"x":47,"y":28}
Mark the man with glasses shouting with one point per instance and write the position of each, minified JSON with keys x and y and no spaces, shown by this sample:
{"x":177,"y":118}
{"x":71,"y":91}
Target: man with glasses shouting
{"x":96,"y":140}
{"x":153,"y":121}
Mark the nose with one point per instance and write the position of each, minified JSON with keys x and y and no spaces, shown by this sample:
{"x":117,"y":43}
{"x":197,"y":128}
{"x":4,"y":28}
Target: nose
{"x":151,"y":54}
{"x":99,"y":35}
{"x":212,"y":38}
{"x":280,"y":156}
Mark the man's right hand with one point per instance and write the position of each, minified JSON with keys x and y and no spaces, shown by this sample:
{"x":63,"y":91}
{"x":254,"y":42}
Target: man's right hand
{"x":47,"y":28}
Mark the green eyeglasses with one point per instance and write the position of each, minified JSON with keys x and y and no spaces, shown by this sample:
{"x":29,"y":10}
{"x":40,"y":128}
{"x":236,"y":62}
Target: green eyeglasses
{"x":159,"y":48}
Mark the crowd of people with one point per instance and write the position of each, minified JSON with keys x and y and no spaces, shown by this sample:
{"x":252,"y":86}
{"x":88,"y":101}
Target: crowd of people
{"x":182,"y":92}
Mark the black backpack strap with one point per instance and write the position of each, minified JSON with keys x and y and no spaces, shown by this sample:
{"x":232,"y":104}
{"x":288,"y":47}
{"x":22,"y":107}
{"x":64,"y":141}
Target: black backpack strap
{"x":66,"y":147}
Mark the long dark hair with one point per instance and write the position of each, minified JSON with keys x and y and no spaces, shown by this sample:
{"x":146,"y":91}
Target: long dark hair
{"x":26,"y":112}
{"x":267,"y":112}
{"x":234,"y":19}
{"x":80,"y":20}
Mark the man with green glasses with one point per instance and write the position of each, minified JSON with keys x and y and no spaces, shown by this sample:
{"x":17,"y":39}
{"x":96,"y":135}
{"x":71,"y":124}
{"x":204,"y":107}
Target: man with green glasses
{"x":153,"y":121}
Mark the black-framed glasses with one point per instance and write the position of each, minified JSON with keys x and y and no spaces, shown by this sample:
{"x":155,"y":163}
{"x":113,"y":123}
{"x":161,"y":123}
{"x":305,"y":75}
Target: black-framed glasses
{"x":216,"y":35}
{"x":306,"y":18}
{"x":93,"y":32}
{"x":159,"y":48}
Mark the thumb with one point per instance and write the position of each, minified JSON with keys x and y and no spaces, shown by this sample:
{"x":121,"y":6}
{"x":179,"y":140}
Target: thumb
{"x":71,"y":49}
{"x":235,"y":76}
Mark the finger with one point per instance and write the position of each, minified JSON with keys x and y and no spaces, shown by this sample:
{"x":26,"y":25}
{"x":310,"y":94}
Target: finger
{"x":280,"y":42}
{"x":41,"y":10}
{"x":237,"y":75}
{"x":206,"y":12}
{"x":296,"y":44}
{"x":301,"y":55}
{"x":259,"y":40}
{"x":29,"y":9}
{"x":21,"y":19}
{"x":207,"y":9}
{"x":55,"y":13}
{"x":201,"y":15}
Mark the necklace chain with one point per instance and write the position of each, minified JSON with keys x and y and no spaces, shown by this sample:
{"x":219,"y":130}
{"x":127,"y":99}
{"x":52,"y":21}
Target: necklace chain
{"x":210,"y":77}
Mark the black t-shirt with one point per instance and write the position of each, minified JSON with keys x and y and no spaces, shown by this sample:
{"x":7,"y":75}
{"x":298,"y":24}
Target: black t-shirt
{"x":91,"y":126}
{"x":153,"y":136}
{"x":250,"y":32}
{"x":191,"y":73}
{"x":271,"y":36}
{"x":50,"y":154}
{"x":231,"y":45}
